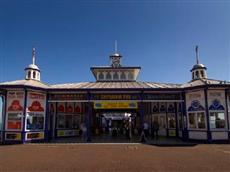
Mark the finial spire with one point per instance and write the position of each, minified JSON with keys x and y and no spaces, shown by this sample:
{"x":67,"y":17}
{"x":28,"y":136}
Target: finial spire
{"x":33,"y":55}
{"x":115,"y":47}
{"x":197,"y":55}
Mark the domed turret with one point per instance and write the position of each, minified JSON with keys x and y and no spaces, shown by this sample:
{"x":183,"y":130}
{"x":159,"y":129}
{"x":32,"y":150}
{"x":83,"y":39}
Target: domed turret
{"x":32,"y":71}
{"x":198,"y":70}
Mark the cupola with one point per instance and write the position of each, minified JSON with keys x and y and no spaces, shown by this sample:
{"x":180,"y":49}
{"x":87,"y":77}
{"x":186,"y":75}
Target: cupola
{"x":32,"y":71}
{"x":198,"y":70}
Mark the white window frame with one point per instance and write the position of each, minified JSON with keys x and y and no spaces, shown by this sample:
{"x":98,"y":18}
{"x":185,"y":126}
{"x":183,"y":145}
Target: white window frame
{"x":225,"y":120}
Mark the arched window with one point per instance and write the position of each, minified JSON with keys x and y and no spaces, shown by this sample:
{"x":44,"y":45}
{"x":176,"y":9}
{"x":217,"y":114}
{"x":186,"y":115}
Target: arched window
{"x":101,"y":76}
{"x":108,"y":76}
{"x":192,"y":75}
{"x":115,"y":76}
{"x":29,"y":74}
{"x":197,"y":74}
{"x":34,"y":74}
{"x":123,"y":75}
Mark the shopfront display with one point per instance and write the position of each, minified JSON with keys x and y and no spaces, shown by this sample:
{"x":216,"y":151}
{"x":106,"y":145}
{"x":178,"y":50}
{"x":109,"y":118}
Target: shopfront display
{"x":69,"y":118}
{"x":35,"y":116}
{"x":15,"y":109}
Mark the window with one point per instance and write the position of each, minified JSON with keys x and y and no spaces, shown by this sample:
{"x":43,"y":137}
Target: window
{"x":202,"y":73}
{"x":217,"y":120}
{"x":35,"y":121}
{"x":101,"y":76}
{"x":200,"y":120}
{"x":171,"y":121}
{"x":115,"y":76}
{"x":34,"y":74}
{"x":197,"y":120}
{"x":193,"y":75}
{"x":123,"y":76}
{"x":14,"y":121}
{"x":68,"y":121}
{"x":108,"y":76}
{"x":192,"y":121}
{"x":197,"y":74}
{"x":29,"y":74}
{"x":130,"y":76}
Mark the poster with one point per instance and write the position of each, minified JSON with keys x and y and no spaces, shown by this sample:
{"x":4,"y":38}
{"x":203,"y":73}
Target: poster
{"x":15,"y":108}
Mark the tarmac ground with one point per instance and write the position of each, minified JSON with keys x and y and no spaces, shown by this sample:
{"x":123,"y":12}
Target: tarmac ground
{"x":114,"y":157}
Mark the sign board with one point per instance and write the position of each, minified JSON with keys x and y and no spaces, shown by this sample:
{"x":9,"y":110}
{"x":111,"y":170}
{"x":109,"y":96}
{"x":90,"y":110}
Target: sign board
{"x":115,"y":105}
{"x":115,"y":97}
{"x":13,"y":136}
{"x":34,"y":135}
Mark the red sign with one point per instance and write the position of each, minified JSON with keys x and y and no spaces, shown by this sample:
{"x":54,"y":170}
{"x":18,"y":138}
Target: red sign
{"x":61,"y":108}
{"x":36,"y":106}
{"x":15,"y":106}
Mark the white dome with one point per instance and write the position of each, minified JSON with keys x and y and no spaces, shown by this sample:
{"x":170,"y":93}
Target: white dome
{"x":33,"y":66}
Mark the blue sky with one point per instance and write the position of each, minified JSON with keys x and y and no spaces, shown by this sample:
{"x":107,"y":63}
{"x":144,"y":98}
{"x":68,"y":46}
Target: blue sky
{"x":72,"y":36}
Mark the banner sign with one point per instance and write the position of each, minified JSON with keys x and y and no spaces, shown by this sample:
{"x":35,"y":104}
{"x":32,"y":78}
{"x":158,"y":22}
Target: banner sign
{"x":34,"y":135}
{"x":157,"y":96}
{"x":68,"y":97}
{"x":13,"y":136}
{"x":115,"y":105}
{"x":115,"y":97}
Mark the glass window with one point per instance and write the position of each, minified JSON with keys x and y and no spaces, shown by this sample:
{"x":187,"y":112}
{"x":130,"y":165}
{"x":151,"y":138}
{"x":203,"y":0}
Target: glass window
{"x":35,"y":121}
{"x":115,"y":76}
{"x":217,"y":120}
{"x":192,"y":120}
{"x":108,"y":76}
{"x":14,"y":121}
{"x":162,"y":122}
{"x":171,"y":121}
{"x":68,"y":121}
{"x":61,"y":121}
{"x":201,"y":120}
{"x":130,"y":76}
{"x":123,"y":75}
{"x":101,"y":76}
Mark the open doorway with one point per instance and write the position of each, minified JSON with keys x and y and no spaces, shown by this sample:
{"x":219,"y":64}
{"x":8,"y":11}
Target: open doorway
{"x":116,"y":125}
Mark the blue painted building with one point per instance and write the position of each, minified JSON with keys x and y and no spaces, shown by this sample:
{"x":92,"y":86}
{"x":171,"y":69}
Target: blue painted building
{"x":34,"y":111}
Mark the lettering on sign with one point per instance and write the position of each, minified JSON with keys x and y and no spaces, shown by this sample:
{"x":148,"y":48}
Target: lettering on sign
{"x":115,"y":97}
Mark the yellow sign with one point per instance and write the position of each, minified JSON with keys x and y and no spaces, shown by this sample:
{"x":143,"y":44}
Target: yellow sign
{"x":13,"y":136}
{"x":115,"y":105}
{"x":34,"y":135}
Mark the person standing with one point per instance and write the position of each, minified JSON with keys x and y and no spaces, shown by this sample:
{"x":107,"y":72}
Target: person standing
{"x":155,"y":129}
{"x":146,"y":129}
